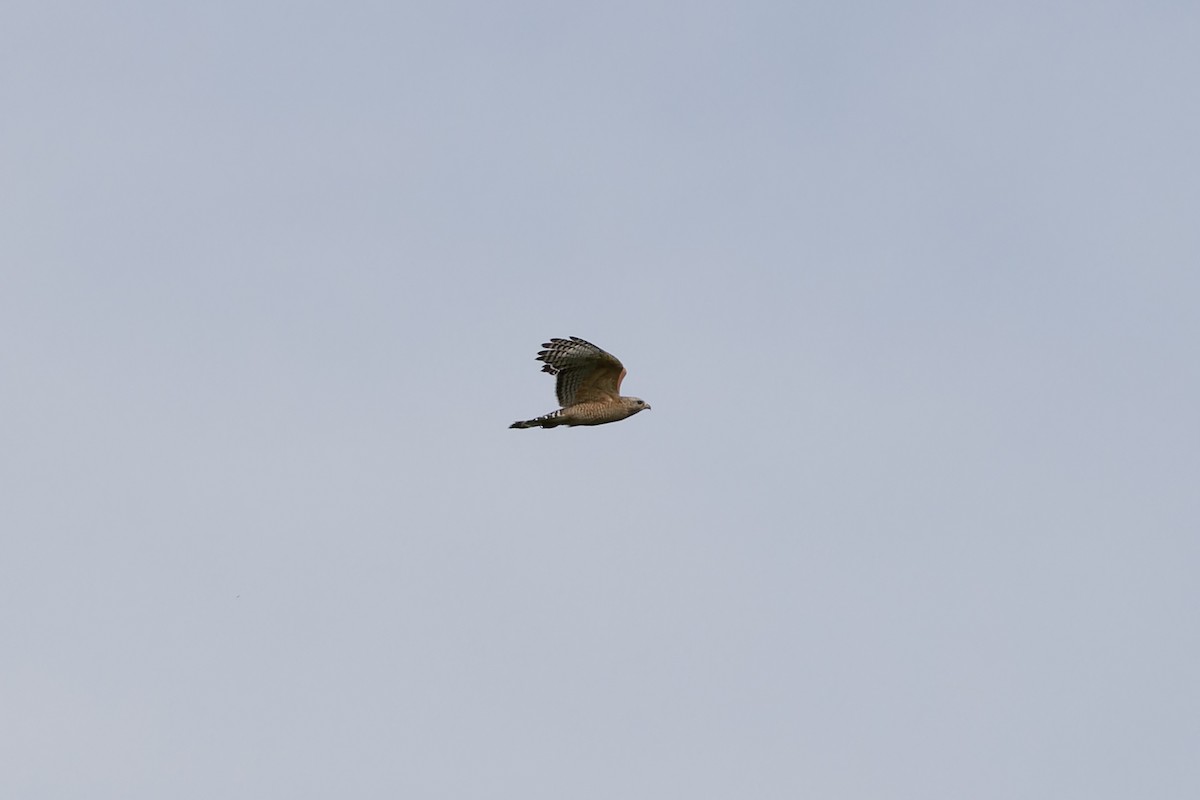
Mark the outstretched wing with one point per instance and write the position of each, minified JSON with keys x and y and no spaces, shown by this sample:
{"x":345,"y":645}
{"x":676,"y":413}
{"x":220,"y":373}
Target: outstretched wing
{"x":585,"y":372}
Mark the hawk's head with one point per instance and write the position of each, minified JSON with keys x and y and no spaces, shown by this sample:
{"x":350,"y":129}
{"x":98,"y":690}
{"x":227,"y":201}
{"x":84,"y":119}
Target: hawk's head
{"x":635,"y":404}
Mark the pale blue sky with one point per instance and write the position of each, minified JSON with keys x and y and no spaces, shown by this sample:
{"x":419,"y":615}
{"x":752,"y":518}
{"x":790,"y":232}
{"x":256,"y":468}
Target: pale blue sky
{"x":911,"y":287}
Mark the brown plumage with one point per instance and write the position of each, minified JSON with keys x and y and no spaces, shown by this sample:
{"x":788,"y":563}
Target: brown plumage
{"x":588,"y":386}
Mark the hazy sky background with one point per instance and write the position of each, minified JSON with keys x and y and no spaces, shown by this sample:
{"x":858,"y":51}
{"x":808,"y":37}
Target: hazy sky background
{"x":913,"y":290}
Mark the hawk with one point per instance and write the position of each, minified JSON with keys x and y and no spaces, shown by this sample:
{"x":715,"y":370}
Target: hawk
{"x":588,"y":388}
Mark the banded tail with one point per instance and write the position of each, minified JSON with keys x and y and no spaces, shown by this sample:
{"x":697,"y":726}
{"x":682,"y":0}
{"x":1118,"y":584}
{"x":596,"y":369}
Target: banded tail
{"x":551,"y":420}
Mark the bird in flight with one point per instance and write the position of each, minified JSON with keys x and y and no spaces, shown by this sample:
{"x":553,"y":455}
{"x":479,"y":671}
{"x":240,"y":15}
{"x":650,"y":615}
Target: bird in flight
{"x":588,"y":386}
